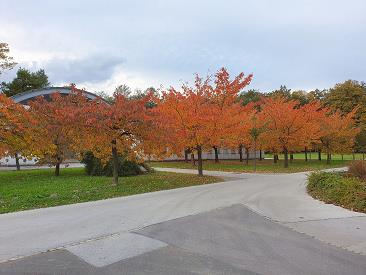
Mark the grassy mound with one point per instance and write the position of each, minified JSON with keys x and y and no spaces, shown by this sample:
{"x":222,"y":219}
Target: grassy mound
{"x":339,"y":189}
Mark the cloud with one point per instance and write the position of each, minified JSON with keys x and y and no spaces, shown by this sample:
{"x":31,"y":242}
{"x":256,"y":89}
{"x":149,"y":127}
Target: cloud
{"x":302,"y":44}
{"x":93,"y":69}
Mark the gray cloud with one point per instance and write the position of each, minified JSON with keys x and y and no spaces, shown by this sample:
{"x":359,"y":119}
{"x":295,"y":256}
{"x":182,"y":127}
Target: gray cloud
{"x":93,"y":69}
{"x":303,"y":44}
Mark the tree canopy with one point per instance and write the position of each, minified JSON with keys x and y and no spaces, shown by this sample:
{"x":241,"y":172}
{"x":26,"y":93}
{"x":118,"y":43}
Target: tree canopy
{"x":25,"y":80}
{"x":6,"y":61}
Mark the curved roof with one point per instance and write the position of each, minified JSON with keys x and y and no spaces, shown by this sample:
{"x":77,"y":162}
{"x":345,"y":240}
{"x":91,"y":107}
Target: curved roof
{"x":23,"y":98}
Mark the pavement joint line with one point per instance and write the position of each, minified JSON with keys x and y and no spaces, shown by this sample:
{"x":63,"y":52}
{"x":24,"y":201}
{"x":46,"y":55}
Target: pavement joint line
{"x":131,"y":231}
{"x":62,"y":247}
{"x":325,"y":219}
{"x":286,"y":224}
{"x":346,"y":248}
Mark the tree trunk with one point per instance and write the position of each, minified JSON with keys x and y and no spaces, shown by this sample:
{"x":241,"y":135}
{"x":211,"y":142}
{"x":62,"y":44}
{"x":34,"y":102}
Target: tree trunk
{"x":260,"y":155}
{"x":216,"y":154}
{"x":57,"y":169}
{"x":247,"y":156}
{"x":255,"y":155}
{"x":353,"y":155}
{"x":319,"y":154}
{"x":115,"y":162}
{"x":186,"y":152}
{"x":199,"y":156}
{"x":275,"y":158}
{"x":241,"y":153}
{"x":58,"y":162}
{"x":17,"y":161}
{"x":192,"y":159}
{"x":342,"y":157}
{"x":291,"y":157}
{"x":306,"y":153}
{"x":328,"y":158}
{"x":285,"y":152}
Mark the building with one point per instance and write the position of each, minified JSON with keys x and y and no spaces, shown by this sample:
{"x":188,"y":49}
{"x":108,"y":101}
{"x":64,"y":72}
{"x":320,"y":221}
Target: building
{"x":228,"y":154}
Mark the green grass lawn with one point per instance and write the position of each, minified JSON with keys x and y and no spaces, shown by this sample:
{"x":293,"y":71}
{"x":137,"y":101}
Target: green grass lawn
{"x":339,"y":189}
{"x":263,"y":166}
{"x":314,"y":156}
{"x":28,"y":189}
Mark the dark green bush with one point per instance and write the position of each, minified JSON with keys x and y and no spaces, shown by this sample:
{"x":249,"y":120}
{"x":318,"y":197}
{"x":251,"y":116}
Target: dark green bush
{"x":94,"y":167}
{"x":338,"y":189}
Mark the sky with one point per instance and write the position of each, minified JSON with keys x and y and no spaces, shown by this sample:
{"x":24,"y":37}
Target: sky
{"x":98,"y":45}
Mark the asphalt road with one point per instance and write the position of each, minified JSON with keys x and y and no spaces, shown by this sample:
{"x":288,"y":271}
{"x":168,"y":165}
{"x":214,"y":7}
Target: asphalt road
{"x":252,"y":224}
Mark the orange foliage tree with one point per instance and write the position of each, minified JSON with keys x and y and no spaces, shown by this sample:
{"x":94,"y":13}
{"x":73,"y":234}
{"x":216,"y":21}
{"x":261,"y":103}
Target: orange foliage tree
{"x":187,"y":117}
{"x":120,"y":128}
{"x":225,"y":107}
{"x":15,"y":134}
{"x":338,"y":132}
{"x":55,"y":131}
{"x":289,"y":125}
{"x":202,"y":116}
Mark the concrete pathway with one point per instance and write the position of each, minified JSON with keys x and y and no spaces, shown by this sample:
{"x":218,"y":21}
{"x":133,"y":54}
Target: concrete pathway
{"x":283,"y":198}
{"x":36,"y":167}
{"x":96,"y":231}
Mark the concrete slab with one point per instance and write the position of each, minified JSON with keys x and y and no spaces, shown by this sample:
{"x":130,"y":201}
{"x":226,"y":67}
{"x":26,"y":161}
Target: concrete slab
{"x":174,"y":260}
{"x":239,"y":237}
{"x":112,"y":249}
{"x":168,"y":260}
{"x":348,"y":233}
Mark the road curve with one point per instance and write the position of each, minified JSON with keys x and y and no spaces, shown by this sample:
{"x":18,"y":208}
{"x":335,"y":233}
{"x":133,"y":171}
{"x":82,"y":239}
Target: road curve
{"x":279,"y":197}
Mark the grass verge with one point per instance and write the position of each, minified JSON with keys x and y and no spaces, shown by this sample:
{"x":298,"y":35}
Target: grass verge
{"x":338,"y":189}
{"x":28,"y":189}
{"x":263,"y":166}
{"x":314,"y":156}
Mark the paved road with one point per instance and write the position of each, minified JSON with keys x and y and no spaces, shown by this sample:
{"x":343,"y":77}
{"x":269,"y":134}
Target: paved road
{"x":251,"y":224}
{"x":34,"y":167}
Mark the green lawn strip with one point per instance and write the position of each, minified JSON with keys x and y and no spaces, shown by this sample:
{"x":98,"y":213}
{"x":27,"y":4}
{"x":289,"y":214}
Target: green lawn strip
{"x":314,"y":156}
{"x":338,"y":189}
{"x":263,"y":166}
{"x":28,"y":189}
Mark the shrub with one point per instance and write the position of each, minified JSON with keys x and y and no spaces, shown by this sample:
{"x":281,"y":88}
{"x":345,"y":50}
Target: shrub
{"x":338,"y":189}
{"x":94,"y":167}
{"x":358,"y":169}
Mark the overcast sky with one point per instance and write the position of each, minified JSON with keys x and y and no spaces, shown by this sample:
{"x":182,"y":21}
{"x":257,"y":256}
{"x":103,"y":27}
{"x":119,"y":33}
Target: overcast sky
{"x":98,"y":45}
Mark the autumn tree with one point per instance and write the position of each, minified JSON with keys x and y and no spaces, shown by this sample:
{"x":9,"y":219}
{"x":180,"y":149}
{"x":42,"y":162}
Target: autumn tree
{"x":225,"y":106}
{"x":289,"y":126}
{"x":15,"y":133}
{"x":338,"y":132}
{"x":120,"y":128}
{"x":347,"y":96}
{"x":200,"y":117}
{"x":240,"y":136}
{"x":56,"y":130}
{"x":188,"y":115}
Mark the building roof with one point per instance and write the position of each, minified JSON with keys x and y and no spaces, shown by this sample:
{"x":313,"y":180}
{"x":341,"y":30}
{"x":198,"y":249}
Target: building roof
{"x":24,"y":97}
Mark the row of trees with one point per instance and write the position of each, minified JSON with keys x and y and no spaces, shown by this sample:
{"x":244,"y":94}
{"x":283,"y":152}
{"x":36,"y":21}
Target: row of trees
{"x":209,"y":114}
{"x":344,"y":97}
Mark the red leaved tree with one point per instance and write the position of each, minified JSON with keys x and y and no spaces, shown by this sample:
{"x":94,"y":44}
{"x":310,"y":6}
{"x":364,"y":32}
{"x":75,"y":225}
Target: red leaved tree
{"x":56,"y":128}
{"x":120,"y":128}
